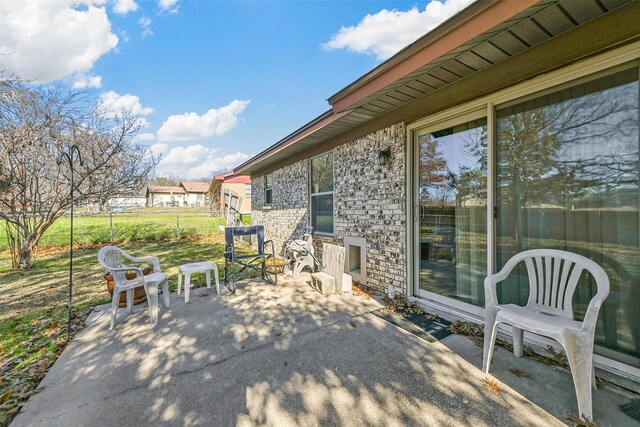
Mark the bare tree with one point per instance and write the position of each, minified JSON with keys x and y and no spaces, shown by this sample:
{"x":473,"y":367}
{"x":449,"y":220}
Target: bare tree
{"x":436,"y":184}
{"x":169,"y":180}
{"x":36,"y":123}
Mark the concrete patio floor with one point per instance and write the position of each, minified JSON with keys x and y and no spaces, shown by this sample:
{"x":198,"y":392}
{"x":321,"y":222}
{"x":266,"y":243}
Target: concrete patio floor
{"x":285,"y":355}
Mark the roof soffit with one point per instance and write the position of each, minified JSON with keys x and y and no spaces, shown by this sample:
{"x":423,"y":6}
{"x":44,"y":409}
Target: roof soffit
{"x":532,"y":27}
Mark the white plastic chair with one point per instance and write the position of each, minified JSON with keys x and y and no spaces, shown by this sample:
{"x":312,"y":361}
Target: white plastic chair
{"x":553,"y":278}
{"x":300,"y":253}
{"x":111,"y":258}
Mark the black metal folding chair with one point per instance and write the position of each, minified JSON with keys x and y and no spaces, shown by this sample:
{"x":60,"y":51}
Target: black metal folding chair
{"x":238,"y":266}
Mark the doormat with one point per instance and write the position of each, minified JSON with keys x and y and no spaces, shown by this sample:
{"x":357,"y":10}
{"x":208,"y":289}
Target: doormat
{"x":438,"y":328}
{"x":418,"y":324}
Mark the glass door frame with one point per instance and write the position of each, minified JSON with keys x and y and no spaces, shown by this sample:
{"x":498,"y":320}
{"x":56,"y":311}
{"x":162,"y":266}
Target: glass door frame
{"x":436,"y":123}
{"x":568,"y":75}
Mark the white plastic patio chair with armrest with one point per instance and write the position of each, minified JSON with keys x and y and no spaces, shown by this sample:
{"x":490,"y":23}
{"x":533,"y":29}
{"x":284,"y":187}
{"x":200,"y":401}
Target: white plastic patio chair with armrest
{"x":553,"y":278}
{"x":110,"y":257}
{"x":300,"y":253}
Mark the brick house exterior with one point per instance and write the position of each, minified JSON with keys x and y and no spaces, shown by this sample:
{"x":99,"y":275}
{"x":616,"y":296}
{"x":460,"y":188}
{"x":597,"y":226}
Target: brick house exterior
{"x":474,"y":73}
{"x":369,"y":203}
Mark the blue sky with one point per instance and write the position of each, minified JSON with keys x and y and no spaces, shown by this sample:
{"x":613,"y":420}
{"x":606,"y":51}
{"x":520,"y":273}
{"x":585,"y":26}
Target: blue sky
{"x":213,"y":82}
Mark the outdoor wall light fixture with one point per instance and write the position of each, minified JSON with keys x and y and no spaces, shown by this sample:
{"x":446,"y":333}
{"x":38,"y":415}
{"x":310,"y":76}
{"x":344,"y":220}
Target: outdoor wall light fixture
{"x":384,"y":156}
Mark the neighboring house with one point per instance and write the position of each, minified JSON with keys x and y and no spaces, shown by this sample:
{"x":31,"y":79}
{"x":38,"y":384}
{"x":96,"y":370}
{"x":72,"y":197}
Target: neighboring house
{"x":196,"y":193}
{"x":238,"y":186}
{"x":513,"y":125}
{"x":164,"y":195}
{"x":127,"y":201}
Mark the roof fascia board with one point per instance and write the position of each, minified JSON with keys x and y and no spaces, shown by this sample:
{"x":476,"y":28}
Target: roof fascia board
{"x":470,"y":23}
{"x":551,"y":55}
{"x":306,"y":130}
{"x":450,"y":34}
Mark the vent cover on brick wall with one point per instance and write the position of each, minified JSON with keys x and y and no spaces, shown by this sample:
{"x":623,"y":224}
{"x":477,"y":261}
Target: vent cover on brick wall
{"x":356,"y":258}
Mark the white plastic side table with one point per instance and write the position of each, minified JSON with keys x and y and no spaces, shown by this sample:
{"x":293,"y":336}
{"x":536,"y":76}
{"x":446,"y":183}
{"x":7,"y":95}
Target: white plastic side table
{"x":196,"y":267}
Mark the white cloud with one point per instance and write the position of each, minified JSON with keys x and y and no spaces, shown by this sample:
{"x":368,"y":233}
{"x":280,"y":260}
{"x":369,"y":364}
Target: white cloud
{"x":113,"y":103}
{"x":125,"y":6}
{"x":145,"y":24}
{"x":82,"y":81}
{"x":159,"y":149}
{"x":191,"y":126}
{"x":194,"y":161}
{"x":168,"y":5}
{"x":124,"y":36}
{"x":48,"y":40}
{"x":146,"y":137}
{"x":386,"y":32}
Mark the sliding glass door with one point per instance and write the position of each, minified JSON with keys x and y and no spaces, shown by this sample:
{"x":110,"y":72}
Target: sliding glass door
{"x":564,"y":176}
{"x":567,"y":178}
{"x":452,"y":195}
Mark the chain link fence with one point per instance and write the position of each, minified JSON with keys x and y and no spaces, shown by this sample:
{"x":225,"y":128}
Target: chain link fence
{"x":126,"y":226}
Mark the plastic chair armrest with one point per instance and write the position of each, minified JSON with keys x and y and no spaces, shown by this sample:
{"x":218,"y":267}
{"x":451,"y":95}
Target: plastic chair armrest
{"x":491,"y":282}
{"x":490,"y":294}
{"x":138,"y":270}
{"x":591,"y":315}
{"x":152,"y":259}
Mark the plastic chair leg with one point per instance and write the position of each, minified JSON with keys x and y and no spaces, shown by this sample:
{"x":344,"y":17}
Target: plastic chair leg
{"x":114,"y":308}
{"x":297,"y":269}
{"x":490,"y":332}
{"x":304,"y":261}
{"x":580,"y":356}
{"x":518,"y":336}
{"x":187,"y":286}
{"x":215,"y":275}
{"x":129,"y":300}
{"x":208,"y":274}
{"x":165,"y":293}
{"x":179,"y":282}
{"x":152,"y":298}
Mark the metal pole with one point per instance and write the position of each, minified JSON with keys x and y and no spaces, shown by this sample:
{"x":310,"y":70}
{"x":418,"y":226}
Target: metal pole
{"x":68,"y":153}
{"x":111,"y":227}
{"x":70,"y":253}
{"x":178,"y":224}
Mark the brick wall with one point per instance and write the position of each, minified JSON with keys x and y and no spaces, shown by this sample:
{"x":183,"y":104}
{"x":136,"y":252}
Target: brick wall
{"x":369,"y":202}
{"x":288,"y":214}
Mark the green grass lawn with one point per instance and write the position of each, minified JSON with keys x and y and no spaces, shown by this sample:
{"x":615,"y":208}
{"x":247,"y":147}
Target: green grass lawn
{"x":142,"y":225}
{"x":33,"y":305}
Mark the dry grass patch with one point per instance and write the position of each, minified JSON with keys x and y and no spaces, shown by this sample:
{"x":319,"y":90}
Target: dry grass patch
{"x":33,"y":306}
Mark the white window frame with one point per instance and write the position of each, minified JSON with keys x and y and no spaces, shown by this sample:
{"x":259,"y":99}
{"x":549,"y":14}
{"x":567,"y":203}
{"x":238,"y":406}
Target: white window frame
{"x":324,"y":193}
{"x":474,"y":310}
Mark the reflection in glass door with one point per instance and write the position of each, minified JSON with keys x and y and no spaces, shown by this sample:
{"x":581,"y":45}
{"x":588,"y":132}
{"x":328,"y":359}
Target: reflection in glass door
{"x":567,"y":178}
{"x":452,"y":193}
